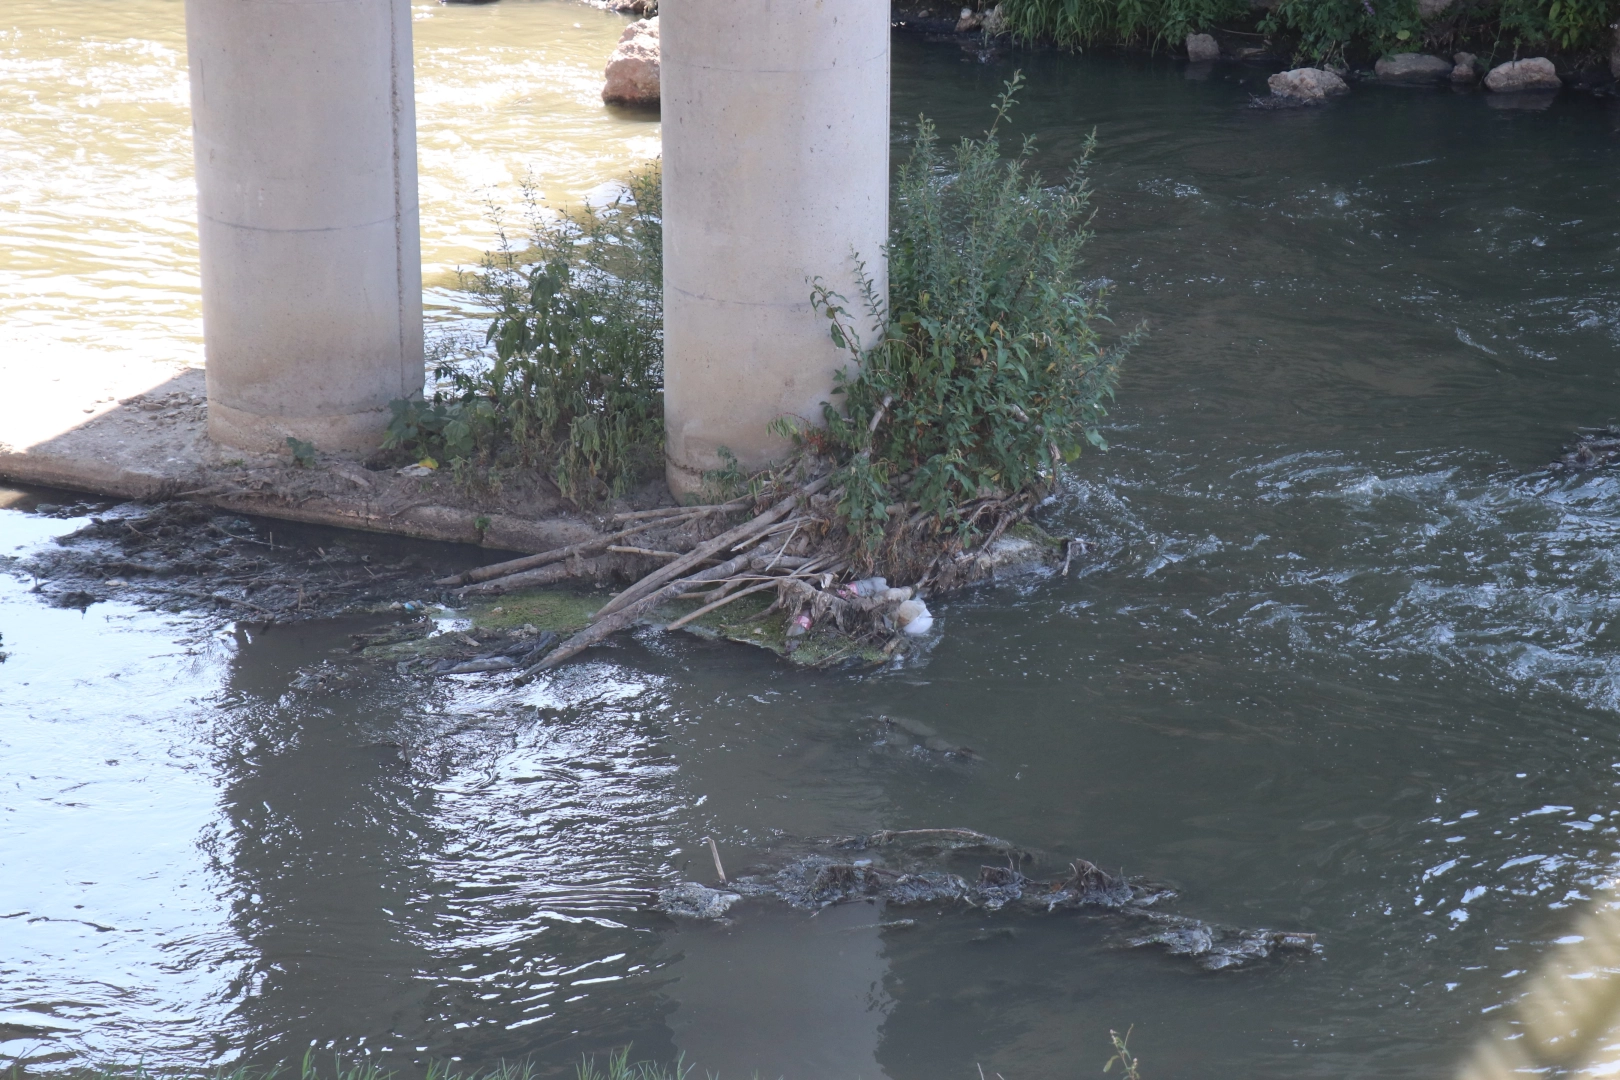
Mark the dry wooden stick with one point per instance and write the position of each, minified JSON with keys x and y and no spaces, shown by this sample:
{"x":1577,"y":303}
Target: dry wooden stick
{"x":218,"y":598}
{"x":529,"y":562}
{"x":676,"y":511}
{"x":680,"y":566}
{"x":623,"y":550}
{"x":618,"y":620}
{"x":785,"y":544}
{"x":715,"y":851}
{"x":720,"y":603}
{"x":766,"y":580}
{"x":775,"y":530}
{"x":533,"y":579}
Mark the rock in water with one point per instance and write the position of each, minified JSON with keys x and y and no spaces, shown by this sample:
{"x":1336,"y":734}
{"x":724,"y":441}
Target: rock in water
{"x":632,"y":69}
{"x":1308,"y":85}
{"x":1202,"y":48}
{"x":1467,"y":69}
{"x":1536,"y":73}
{"x":1412,"y":68}
{"x":995,"y":23}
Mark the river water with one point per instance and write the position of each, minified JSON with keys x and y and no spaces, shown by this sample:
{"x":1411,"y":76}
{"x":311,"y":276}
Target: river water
{"x":1342,"y":659}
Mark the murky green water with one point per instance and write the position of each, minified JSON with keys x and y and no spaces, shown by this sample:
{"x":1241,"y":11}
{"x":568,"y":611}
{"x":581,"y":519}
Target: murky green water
{"x":1343,"y":663}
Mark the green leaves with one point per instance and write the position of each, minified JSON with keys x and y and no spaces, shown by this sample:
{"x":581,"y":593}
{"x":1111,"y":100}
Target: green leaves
{"x":988,"y":367}
{"x":571,"y":377}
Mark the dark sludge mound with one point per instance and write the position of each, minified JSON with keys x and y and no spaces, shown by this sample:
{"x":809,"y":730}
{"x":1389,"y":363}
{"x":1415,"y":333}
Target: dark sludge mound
{"x":1592,"y":448}
{"x":919,"y":867}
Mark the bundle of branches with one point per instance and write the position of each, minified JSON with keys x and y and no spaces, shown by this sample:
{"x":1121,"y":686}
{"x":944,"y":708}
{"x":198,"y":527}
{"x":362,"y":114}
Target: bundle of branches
{"x":792,"y":542}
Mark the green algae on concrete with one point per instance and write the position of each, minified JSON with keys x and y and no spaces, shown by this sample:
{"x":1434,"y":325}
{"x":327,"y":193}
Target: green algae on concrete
{"x":562,"y":610}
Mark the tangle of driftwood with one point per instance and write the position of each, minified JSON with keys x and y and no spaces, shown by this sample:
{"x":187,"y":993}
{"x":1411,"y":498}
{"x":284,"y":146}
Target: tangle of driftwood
{"x":792,"y":543}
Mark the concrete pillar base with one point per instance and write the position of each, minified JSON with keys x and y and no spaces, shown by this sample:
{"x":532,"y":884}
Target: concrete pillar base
{"x":350,"y":433}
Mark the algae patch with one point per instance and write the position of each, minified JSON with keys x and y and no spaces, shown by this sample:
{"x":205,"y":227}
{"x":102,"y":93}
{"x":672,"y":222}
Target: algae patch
{"x":562,"y":610}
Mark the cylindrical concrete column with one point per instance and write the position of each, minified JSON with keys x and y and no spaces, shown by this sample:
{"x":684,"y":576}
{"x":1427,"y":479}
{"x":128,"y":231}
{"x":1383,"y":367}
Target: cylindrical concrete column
{"x":776,"y":172}
{"x":304,"y":122}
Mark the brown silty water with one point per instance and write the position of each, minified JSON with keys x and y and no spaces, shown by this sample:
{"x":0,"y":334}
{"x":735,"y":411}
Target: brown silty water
{"x":1343,"y":658}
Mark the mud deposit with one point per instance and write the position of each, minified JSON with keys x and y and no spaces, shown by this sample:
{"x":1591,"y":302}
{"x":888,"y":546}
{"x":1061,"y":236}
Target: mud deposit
{"x":180,"y":555}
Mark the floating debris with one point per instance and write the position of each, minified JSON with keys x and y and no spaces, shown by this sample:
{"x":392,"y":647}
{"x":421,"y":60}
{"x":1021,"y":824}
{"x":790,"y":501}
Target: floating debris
{"x":1592,"y":448}
{"x":690,"y":900}
{"x":914,"y":736}
{"x":913,"y":617}
{"x":913,"y":867}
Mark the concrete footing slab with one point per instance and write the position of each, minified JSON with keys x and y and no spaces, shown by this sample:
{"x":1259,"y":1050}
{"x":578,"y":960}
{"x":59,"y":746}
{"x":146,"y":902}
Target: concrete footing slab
{"x":137,"y":429}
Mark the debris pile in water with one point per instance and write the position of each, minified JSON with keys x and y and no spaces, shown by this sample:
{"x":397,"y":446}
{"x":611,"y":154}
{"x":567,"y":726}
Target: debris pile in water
{"x":913,"y":867}
{"x":1592,"y":448}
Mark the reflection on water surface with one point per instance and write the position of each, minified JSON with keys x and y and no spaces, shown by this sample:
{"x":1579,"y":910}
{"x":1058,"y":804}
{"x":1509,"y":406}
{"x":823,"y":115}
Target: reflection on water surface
{"x":1345,"y":663}
{"x":98,"y":230}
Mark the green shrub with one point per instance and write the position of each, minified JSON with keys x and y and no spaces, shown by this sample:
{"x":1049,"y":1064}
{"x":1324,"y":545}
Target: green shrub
{"x":989,"y":373}
{"x":575,"y":383}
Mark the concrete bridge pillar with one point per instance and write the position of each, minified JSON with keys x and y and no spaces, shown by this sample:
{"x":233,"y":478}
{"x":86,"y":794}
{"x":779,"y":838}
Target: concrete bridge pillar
{"x":776,"y":171}
{"x":305,"y":134}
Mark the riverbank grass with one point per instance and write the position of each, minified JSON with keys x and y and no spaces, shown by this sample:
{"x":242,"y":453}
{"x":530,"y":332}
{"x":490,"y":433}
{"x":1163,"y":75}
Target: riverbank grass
{"x":1333,"y":31}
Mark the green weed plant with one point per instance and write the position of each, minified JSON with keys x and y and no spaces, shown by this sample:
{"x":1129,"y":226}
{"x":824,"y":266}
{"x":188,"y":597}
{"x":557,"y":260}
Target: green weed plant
{"x":988,"y":374}
{"x":573,"y":376}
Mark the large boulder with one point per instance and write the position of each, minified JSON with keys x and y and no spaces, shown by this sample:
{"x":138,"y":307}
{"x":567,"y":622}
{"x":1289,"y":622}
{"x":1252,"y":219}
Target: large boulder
{"x":1536,"y":73}
{"x":1412,"y":68}
{"x":632,"y":69}
{"x":1306,"y":85}
{"x":1202,"y":48}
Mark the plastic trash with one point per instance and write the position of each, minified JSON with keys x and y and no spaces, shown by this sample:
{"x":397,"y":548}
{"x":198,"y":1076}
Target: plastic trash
{"x":800,"y":626}
{"x":865,"y":587}
{"x":914,"y":617}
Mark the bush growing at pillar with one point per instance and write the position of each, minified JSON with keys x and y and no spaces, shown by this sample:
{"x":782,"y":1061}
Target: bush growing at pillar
{"x":990,"y":373}
{"x":575,"y":380}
